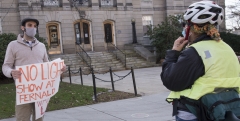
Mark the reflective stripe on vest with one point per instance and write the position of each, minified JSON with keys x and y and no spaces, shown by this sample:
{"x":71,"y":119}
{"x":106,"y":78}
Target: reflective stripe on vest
{"x":213,"y":54}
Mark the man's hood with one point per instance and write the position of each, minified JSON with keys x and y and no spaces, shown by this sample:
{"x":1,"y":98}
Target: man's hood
{"x":20,"y":40}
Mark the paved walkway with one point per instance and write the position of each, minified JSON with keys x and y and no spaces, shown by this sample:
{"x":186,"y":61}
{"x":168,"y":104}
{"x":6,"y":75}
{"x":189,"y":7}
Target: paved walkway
{"x":150,"y":107}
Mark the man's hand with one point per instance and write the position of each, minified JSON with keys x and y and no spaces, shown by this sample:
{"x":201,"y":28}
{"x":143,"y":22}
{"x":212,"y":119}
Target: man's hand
{"x":64,"y":68}
{"x":179,"y":44}
{"x":16,"y":74}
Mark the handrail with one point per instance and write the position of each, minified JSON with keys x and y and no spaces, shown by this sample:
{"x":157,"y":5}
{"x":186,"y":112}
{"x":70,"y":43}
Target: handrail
{"x":83,"y":54}
{"x":116,"y":54}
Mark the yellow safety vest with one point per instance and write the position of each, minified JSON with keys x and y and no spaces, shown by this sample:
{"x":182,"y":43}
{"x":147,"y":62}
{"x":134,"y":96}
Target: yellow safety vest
{"x":217,"y":58}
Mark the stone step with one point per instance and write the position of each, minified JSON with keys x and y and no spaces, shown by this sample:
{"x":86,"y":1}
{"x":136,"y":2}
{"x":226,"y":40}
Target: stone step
{"x":101,"y":61}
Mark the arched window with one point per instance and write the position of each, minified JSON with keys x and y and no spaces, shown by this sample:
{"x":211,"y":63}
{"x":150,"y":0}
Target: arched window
{"x":82,"y":33}
{"x":53,"y":35}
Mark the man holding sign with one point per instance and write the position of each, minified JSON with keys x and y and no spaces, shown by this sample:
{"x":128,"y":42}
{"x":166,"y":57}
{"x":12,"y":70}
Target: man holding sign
{"x":28,"y":52}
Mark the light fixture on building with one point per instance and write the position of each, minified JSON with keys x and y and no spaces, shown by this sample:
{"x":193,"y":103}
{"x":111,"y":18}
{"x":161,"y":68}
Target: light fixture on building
{"x":134,"y":36}
{"x":133,"y":20}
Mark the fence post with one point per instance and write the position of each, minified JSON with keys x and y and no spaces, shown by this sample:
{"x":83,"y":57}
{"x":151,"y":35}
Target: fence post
{"x":69,"y":74}
{"x":111,"y":79}
{"x":94,"y":85}
{"x":134,"y":83}
{"x":80,"y":71}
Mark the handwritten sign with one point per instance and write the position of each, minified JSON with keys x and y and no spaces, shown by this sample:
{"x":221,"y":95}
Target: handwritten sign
{"x":40,"y":108}
{"x":38,"y":83}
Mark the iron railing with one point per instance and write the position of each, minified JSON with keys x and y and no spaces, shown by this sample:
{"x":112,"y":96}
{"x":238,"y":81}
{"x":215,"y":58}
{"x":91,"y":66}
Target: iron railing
{"x":83,"y":54}
{"x":118,"y":53}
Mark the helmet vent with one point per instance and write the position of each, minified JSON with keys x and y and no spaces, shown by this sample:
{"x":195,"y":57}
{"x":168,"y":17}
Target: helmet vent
{"x":189,"y":12}
{"x":200,"y":8}
{"x":215,"y":18}
{"x":221,"y":17}
{"x":204,"y":16}
{"x":215,"y":10}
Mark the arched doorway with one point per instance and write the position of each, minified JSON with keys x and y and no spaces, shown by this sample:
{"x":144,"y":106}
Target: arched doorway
{"x":53,"y":35}
{"x":83,"y":34}
{"x":54,"y":38}
{"x":109,"y":32}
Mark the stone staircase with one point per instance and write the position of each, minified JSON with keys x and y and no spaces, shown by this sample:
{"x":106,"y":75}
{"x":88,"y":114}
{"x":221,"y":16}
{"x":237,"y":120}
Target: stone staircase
{"x":72,"y":60}
{"x":102,"y":61}
{"x":136,"y":61}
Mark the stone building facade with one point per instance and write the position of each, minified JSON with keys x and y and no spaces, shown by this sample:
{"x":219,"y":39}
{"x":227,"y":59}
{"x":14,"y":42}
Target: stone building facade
{"x":92,"y":23}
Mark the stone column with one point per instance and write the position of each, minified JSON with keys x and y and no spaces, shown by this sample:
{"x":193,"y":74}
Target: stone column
{"x":23,"y":5}
{"x":36,"y":4}
{"x":95,"y":5}
{"x":120,"y":5}
{"x":129,"y":4}
{"x":66,"y":5}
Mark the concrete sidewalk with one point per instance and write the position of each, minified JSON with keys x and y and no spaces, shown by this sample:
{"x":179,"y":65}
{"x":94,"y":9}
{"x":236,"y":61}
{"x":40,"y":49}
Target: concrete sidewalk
{"x":148,"y":81}
{"x":150,"y":107}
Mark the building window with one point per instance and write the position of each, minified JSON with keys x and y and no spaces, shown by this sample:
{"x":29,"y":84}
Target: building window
{"x":146,"y":20}
{"x":51,"y":3}
{"x":111,"y":3}
{"x":82,"y":33}
{"x":53,"y":35}
{"x":146,"y":3}
{"x":82,"y":2}
{"x":107,"y":2}
{"x":77,"y":33}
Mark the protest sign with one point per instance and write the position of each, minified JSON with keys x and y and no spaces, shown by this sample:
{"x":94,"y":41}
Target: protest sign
{"x":38,"y":83}
{"x":40,"y":108}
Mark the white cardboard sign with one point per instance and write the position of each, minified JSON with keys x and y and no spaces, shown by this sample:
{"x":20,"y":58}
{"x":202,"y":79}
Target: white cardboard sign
{"x":38,"y":83}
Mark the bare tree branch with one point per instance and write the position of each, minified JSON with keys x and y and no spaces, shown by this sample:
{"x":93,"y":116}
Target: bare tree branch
{"x":234,"y":15}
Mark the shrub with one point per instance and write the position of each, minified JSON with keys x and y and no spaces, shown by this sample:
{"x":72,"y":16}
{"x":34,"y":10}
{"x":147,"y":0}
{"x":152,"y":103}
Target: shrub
{"x":40,"y":39}
{"x":5,"y":39}
{"x":164,"y":34}
{"x":232,"y":40}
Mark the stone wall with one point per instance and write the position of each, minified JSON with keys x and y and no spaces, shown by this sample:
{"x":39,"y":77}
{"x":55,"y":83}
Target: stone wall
{"x":10,"y":21}
{"x":66,"y":16}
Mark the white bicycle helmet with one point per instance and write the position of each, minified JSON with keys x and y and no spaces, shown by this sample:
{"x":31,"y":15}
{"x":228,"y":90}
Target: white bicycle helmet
{"x":204,"y":12}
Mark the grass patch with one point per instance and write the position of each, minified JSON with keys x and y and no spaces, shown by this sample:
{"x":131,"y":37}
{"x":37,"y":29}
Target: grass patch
{"x":7,"y":100}
{"x":69,"y":95}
